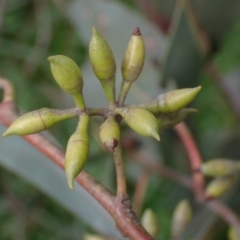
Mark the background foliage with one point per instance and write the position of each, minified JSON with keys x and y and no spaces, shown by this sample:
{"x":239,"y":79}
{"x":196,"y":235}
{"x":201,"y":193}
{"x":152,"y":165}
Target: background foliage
{"x":32,"y":30}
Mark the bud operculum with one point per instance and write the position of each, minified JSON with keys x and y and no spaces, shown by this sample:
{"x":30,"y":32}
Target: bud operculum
{"x":69,"y":77}
{"x":37,"y":121}
{"x":132,"y":63}
{"x":77,"y":150}
{"x":133,"y":60}
{"x":140,"y":120}
{"x":110,"y":133}
{"x":103,"y":64}
{"x":174,"y":100}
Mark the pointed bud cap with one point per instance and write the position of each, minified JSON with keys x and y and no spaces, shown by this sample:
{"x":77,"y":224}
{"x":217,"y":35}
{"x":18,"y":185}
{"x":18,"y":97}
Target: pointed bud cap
{"x":173,"y":101}
{"x":101,"y":56}
{"x":110,"y":133}
{"x":218,"y":186}
{"x":37,"y":121}
{"x":77,"y":150}
{"x":219,"y":167}
{"x":181,"y":217}
{"x":141,"y":121}
{"x":133,"y":60}
{"x":150,"y":223}
{"x":67,"y":74}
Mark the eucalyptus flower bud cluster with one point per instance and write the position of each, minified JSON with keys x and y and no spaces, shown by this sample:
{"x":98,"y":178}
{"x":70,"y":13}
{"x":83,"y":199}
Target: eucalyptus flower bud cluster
{"x":224,"y":172}
{"x":145,"y":119}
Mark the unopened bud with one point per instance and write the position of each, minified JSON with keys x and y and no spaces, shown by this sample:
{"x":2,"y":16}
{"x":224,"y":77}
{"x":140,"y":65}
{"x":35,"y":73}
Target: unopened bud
{"x":110,"y":133}
{"x":89,"y":236}
{"x":132,"y":64}
{"x":68,"y":76}
{"x":77,"y":150}
{"x":173,"y":101}
{"x":140,"y":120}
{"x":103,"y":64}
{"x":232,"y":234}
{"x":150,"y":223}
{"x":171,"y":119}
{"x":133,"y":60}
{"x":181,"y":217}
{"x":219,"y":167}
{"x":218,"y":186}
{"x":37,"y":121}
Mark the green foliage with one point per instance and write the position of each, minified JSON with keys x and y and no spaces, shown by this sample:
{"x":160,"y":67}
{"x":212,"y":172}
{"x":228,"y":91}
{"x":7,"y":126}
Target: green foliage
{"x":30,"y":214}
{"x":35,"y":88}
{"x":228,"y":57}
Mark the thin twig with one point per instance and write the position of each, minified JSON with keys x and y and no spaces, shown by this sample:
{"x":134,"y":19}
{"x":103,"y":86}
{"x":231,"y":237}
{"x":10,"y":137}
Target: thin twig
{"x":194,"y":159}
{"x":198,"y":180}
{"x":225,"y":213}
{"x":121,"y":179}
{"x":119,"y":209}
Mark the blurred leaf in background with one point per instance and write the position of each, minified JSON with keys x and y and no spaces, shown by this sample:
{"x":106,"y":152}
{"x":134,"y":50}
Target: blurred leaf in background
{"x":30,"y":31}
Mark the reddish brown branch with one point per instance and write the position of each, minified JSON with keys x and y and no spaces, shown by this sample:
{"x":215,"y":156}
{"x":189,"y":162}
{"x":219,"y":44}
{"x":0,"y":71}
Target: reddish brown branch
{"x":194,"y":158}
{"x":120,"y":172}
{"x":225,"y":213}
{"x":119,"y":208}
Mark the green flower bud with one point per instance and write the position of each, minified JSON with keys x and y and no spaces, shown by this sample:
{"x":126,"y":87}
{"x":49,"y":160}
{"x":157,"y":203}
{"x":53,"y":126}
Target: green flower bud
{"x":218,"y":186}
{"x":173,"y":101}
{"x":149,"y":222}
{"x":232,"y":234}
{"x":92,"y":237}
{"x":219,"y":167}
{"x":133,"y":60}
{"x":37,"y":121}
{"x":171,"y":119}
{"x":77,"y":150}
{"x":132,"y":64}
{"x":140,"y":120}
{"x":68,"y":76}
{"x":110,"y":133}
{"x":181,"y":217}
{"x":103,"y":64}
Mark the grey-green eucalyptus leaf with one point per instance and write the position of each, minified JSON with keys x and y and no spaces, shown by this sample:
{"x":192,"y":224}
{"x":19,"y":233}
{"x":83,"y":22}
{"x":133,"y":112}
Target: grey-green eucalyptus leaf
{"x":36,"y":168}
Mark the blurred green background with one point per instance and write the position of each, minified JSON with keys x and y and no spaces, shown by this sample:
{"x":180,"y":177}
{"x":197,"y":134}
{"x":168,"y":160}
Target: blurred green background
{"x":178,"y":55}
